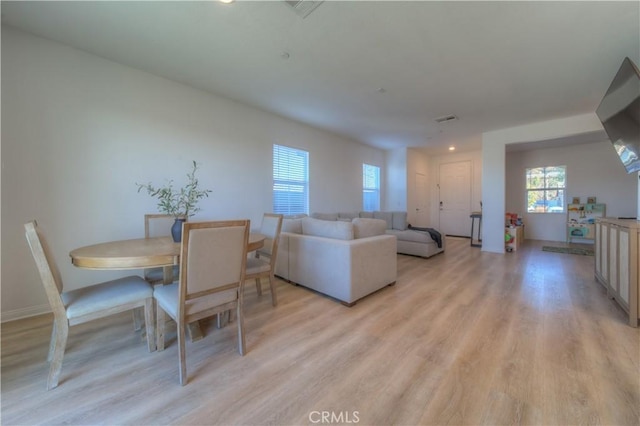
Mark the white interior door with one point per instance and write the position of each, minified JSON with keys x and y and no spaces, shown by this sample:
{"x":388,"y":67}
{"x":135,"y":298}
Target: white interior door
{"x":422,"y":205}
{"x":455,"y":198}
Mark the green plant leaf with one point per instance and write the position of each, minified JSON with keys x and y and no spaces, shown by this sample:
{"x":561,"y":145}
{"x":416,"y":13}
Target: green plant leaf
{"x":183,"y":201}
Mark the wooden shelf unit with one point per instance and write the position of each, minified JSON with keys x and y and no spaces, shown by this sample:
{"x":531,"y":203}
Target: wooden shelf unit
{"x":517,"y":237}
{"x":581,"y":220}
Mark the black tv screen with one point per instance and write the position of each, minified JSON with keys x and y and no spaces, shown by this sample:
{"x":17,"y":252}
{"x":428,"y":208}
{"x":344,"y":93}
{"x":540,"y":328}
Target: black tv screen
{"x":619,"y":112}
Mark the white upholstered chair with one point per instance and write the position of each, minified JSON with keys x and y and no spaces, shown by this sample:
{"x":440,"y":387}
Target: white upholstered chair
{"x":263,"y":264}
{"x":84,"y":304}
{"x":212,"y":265}
{"x":158,"y":225}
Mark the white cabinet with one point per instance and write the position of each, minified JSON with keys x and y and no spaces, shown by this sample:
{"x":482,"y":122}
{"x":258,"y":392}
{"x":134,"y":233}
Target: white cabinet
{"x":598,"y":249}
{"x":623,"y":262}
{"x":613,"y":258}
{"x":617,"y":253}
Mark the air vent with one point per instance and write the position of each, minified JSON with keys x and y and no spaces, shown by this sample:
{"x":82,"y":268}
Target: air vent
{"x":446,"y":119}
{"x":304,"y":7}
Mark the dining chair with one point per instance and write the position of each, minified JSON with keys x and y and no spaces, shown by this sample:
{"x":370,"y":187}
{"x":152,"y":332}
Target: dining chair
{"x":155,"y":225}
{"x":158,"y":225}
{"x":212,"y":266}
{"x":263,"y":264}
{"x":85,"y":304}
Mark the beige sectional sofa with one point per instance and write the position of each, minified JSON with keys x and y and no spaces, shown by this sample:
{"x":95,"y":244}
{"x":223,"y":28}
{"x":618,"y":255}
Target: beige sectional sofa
{"x":409,"y":241}
{"x":346,"y":260}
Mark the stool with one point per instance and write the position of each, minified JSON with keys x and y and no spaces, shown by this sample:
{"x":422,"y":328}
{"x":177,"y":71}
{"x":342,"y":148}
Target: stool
{"x":474,"y":216}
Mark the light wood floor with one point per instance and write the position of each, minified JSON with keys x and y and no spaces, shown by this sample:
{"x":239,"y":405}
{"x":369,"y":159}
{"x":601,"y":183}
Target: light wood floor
{"x":463,"y":338}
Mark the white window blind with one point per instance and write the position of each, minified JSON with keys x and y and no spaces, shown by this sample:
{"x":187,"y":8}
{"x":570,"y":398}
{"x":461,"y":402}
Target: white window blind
{"x":370,"y":187}
{"x":290,"y":180}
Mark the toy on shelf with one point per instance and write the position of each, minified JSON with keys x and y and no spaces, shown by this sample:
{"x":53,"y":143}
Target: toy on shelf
{"x":514,"y":232}
{"x":514,"y":237}
{"x":512,"y":219}
{"x":581,"y":220}
{"x":508,"y":240}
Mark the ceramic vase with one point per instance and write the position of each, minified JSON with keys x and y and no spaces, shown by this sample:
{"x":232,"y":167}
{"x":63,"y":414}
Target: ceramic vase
{"x":176,"y":229}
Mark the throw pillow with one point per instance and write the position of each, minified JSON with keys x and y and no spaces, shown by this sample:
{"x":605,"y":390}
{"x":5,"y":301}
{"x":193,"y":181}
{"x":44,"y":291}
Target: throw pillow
{"x":292,"y":225}
{"x":349,"y":216}
{"x":329,"y":229}
{"x":325,"y":216}
{"x":399,"y":221}
{"x":386,"y":216}
{"x":363,"y":227}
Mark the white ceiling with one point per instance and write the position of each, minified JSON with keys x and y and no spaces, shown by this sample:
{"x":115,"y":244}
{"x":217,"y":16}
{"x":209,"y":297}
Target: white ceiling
{"x":492,"y":64}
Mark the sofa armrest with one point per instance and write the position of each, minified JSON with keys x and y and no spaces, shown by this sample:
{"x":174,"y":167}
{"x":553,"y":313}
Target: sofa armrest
{"x":282,"y":259}
{"x":344,"y":269}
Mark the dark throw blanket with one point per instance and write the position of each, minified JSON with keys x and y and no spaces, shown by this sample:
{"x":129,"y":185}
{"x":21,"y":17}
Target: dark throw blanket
{"x":435,"y":235}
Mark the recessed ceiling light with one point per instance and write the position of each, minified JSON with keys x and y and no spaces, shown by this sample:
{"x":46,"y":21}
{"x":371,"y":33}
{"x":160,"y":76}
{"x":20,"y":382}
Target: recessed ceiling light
{"x":452,"y":148}
{"x":226,"y":1}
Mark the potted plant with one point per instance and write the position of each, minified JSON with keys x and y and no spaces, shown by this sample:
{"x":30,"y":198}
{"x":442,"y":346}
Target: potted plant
{"x":181,"y":203}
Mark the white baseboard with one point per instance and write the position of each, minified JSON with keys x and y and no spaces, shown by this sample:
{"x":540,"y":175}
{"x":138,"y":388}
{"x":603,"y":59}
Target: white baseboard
{"x":25,"y":313}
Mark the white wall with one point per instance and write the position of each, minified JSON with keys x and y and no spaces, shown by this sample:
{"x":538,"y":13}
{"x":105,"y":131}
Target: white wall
{"x":396,"y":180}
{"x":79,"y":131}
{"x":475,"y":158}
{"x":402,"y":166}
{"x":493,"y":164}
{"x":418,"y":162}
{"x":592,"y":170}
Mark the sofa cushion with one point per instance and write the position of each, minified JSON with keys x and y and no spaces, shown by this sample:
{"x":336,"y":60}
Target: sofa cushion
{"x":399,"y":221}
{"x":368,"y":215}
{"x":363,"y":227}
{"x":349,"y":216}
{"x":292,"y":225}
{"x":329,"y":229}
{"x":386,"y":216}
{"x":409,"y":235}
{"x":325,"y":216}
{"x":295,"y":216}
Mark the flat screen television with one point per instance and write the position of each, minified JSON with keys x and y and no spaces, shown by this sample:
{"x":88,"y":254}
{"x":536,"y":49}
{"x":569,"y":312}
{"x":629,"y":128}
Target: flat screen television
{"x":619,"y":112}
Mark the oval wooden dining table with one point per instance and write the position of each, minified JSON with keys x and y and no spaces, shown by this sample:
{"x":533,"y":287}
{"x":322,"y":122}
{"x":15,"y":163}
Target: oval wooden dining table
{"x":143,"y":253}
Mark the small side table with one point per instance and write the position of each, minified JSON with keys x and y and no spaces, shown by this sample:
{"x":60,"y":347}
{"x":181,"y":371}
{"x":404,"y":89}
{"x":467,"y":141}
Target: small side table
{"x":474,"y":216}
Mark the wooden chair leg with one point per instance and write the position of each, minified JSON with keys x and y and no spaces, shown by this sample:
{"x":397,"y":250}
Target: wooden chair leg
{"x":160,"y":320}
{"x":52,"y":342}
{"x":181,"y":353}
{"x":274,"y":296}
{"x":62,"y":332}
{"x":150,"y":324}
{"x":258,"y":287}
{"x":241,"y":342}
{"x":222,"y":318}
{"x":137,"y":314}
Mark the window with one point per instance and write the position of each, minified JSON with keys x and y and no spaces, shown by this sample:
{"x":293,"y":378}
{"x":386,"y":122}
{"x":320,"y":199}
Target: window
{"x":545,"y":189}
{"x":370,"y":187}
{"x":290,"y":180}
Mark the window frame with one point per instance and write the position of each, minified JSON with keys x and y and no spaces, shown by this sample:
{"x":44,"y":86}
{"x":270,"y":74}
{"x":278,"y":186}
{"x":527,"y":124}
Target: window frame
{"x":547,"y":187}
{"x":375,"y":189}
{"x":287,"y":173}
